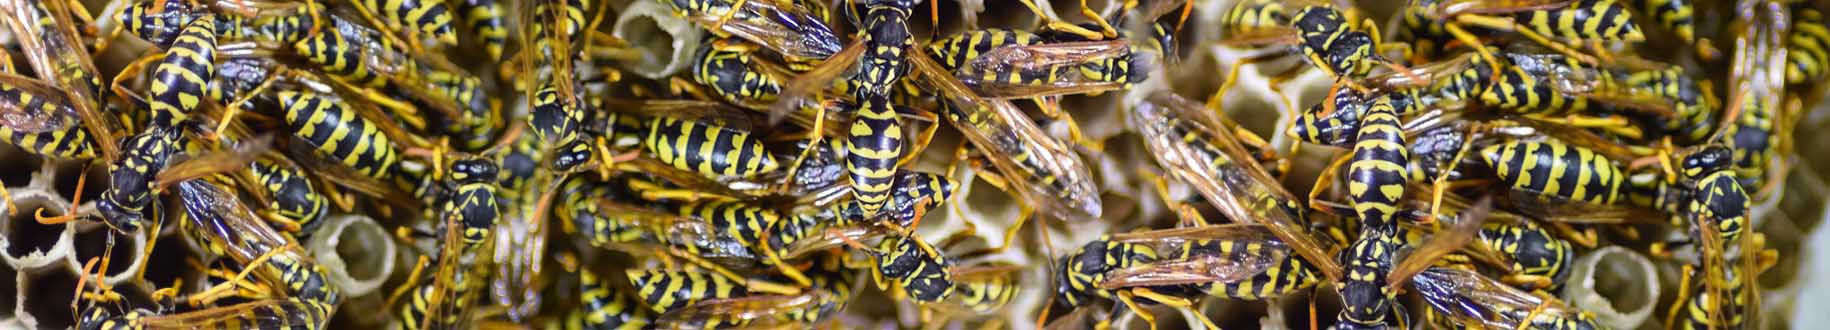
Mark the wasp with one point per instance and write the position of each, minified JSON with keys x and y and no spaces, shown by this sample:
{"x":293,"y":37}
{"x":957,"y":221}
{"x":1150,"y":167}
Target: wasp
{"x":44,"y":123}
{"x":1547,"y":23}
{"x":282,"y":313}
{"x":338,"y":133}
{"x":708,"y":148}
{"x":228,"y":228}
{"x":1329,"y":39}
{"x":431,"y":18}
{"x":603,"y":306}
{"x":1807,"y":45}
{"x":49,"y":41}
{"x":710,"y":309}
{"x":1172,"y":267}
{"x":788,"y":30}
{"x":1471,"y":299}
{"x":915,"y":194}
{"x":1039,"y":169}
{"x":488,"y":25}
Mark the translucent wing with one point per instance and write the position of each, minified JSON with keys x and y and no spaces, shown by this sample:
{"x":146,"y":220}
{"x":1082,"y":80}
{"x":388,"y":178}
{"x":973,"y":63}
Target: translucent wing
{"x":763,"y":311}
{"x":1456,"y":7}
{"x":27,"y":105}
{"x":799,"y":91}
{"x":1199,"y":257}
{"x":218,"y":213}
{"x":50,"y":43}
{"x":1466,"y":227}
{"x":274,"y":312}
{"x":1024,"y":71}
{"x":1046,"y":174}
{"x":789,"y":30}
{"x":1472,"y":299}
{"x":1226,"y":175}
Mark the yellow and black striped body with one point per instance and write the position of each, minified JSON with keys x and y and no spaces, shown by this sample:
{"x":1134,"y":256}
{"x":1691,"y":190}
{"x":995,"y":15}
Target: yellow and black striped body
{"x":1753,"y":137}
{"x":333,"y":53}
{"x":180,"y":80}
{"x":665,"y":291}
{"x":708,"y":149}
{"x":733,"y":73}
{"x":425,"y":18}
{"x":1476,"y":302}
{"x":1280,"y":279}
{"x":985,"y":294}
{"x":293,"y":195}
{"x":1676,"y":15}
{"x":916,"y":267}
{"x":1704,"y":310}
{"x":1583,"y":20}
{"x":1807,"y":45}
{"x":602,"y":307}
{"x":1719,"y":200}
{"x":488,"y":25}
{"x":567,"y":15}
{"x":277,"y":314}
{"x":227,"y":228}
{"x":1365,"y":297}
{"x":886,"y":41}
{"x":474,"y":201}
{"x":915,"y":194}
{"x":123,"y":204}
{"x":1377,"y":174}
{"x":71,"y":141}
{"x":339,"y":134}
{"x":1551,"y":169}
{"x":554,"y":119}
{"x":1338,"y":128}
{"x":1533,"y":250}
{"x":600,"y":227}
{"x":1251,"y":16}
{"x":477,"y":123}
{"x":1330,"y":43}
{"x":812,"y":38}
{"x":956,"y":50}
{"x":1695,"y":119}
{"x":874,"y":147}
{"x":1521,"y":91}
{"x":743,"y":222}
{"x":1084,"y":270}
{"x":431,"y":307}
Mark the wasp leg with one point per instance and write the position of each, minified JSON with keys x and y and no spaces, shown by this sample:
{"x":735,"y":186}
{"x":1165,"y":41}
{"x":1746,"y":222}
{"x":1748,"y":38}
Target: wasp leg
{"x":222,"y":290}
{"x":1506,"y":24}
{"x":1189,"y":216}
{"x":1052,"y":24}
{"x":1173,"y":301}
{"x":1324,"y":181}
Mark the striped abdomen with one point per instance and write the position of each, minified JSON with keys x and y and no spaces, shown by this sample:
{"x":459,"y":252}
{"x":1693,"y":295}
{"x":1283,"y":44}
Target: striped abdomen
{"x":427,"y":18}
{"x":874,"y":146}
{"x":602,"y":307}
{"x":180,"y":80}
{"x":709,"y":149}
{"x":1377,"y":174}
{"x":339,"y":133}
{"x":1553,"y":169}
{"x":1583,"y":20}
{"x":1533,"y":250}
{"x":1807,"y":46}
{"x":666,"y":291}
{"x":293,"y":196}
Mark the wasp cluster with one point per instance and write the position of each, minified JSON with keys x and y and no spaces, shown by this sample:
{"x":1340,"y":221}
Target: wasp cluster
{"x":902,"y":163}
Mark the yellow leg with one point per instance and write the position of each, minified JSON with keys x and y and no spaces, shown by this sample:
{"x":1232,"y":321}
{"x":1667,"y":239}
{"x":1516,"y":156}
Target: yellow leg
{"x":210,"y":295}
{"x":1104,"y":27}
{"x":222,"y":124}
{"x":1683,"y":297}
{"x":1440,"y":185}
{"x":1177,"y":302}
{"x":1052,"y":24}
{"x":1533,"y":281}
{"x":726,"y":17}
{"x":1325,"y":180}
{"x":7,"y":197}
{"x":412,"y":281}
{"x":1189,"y":216}
{"x":1130,"y":301}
